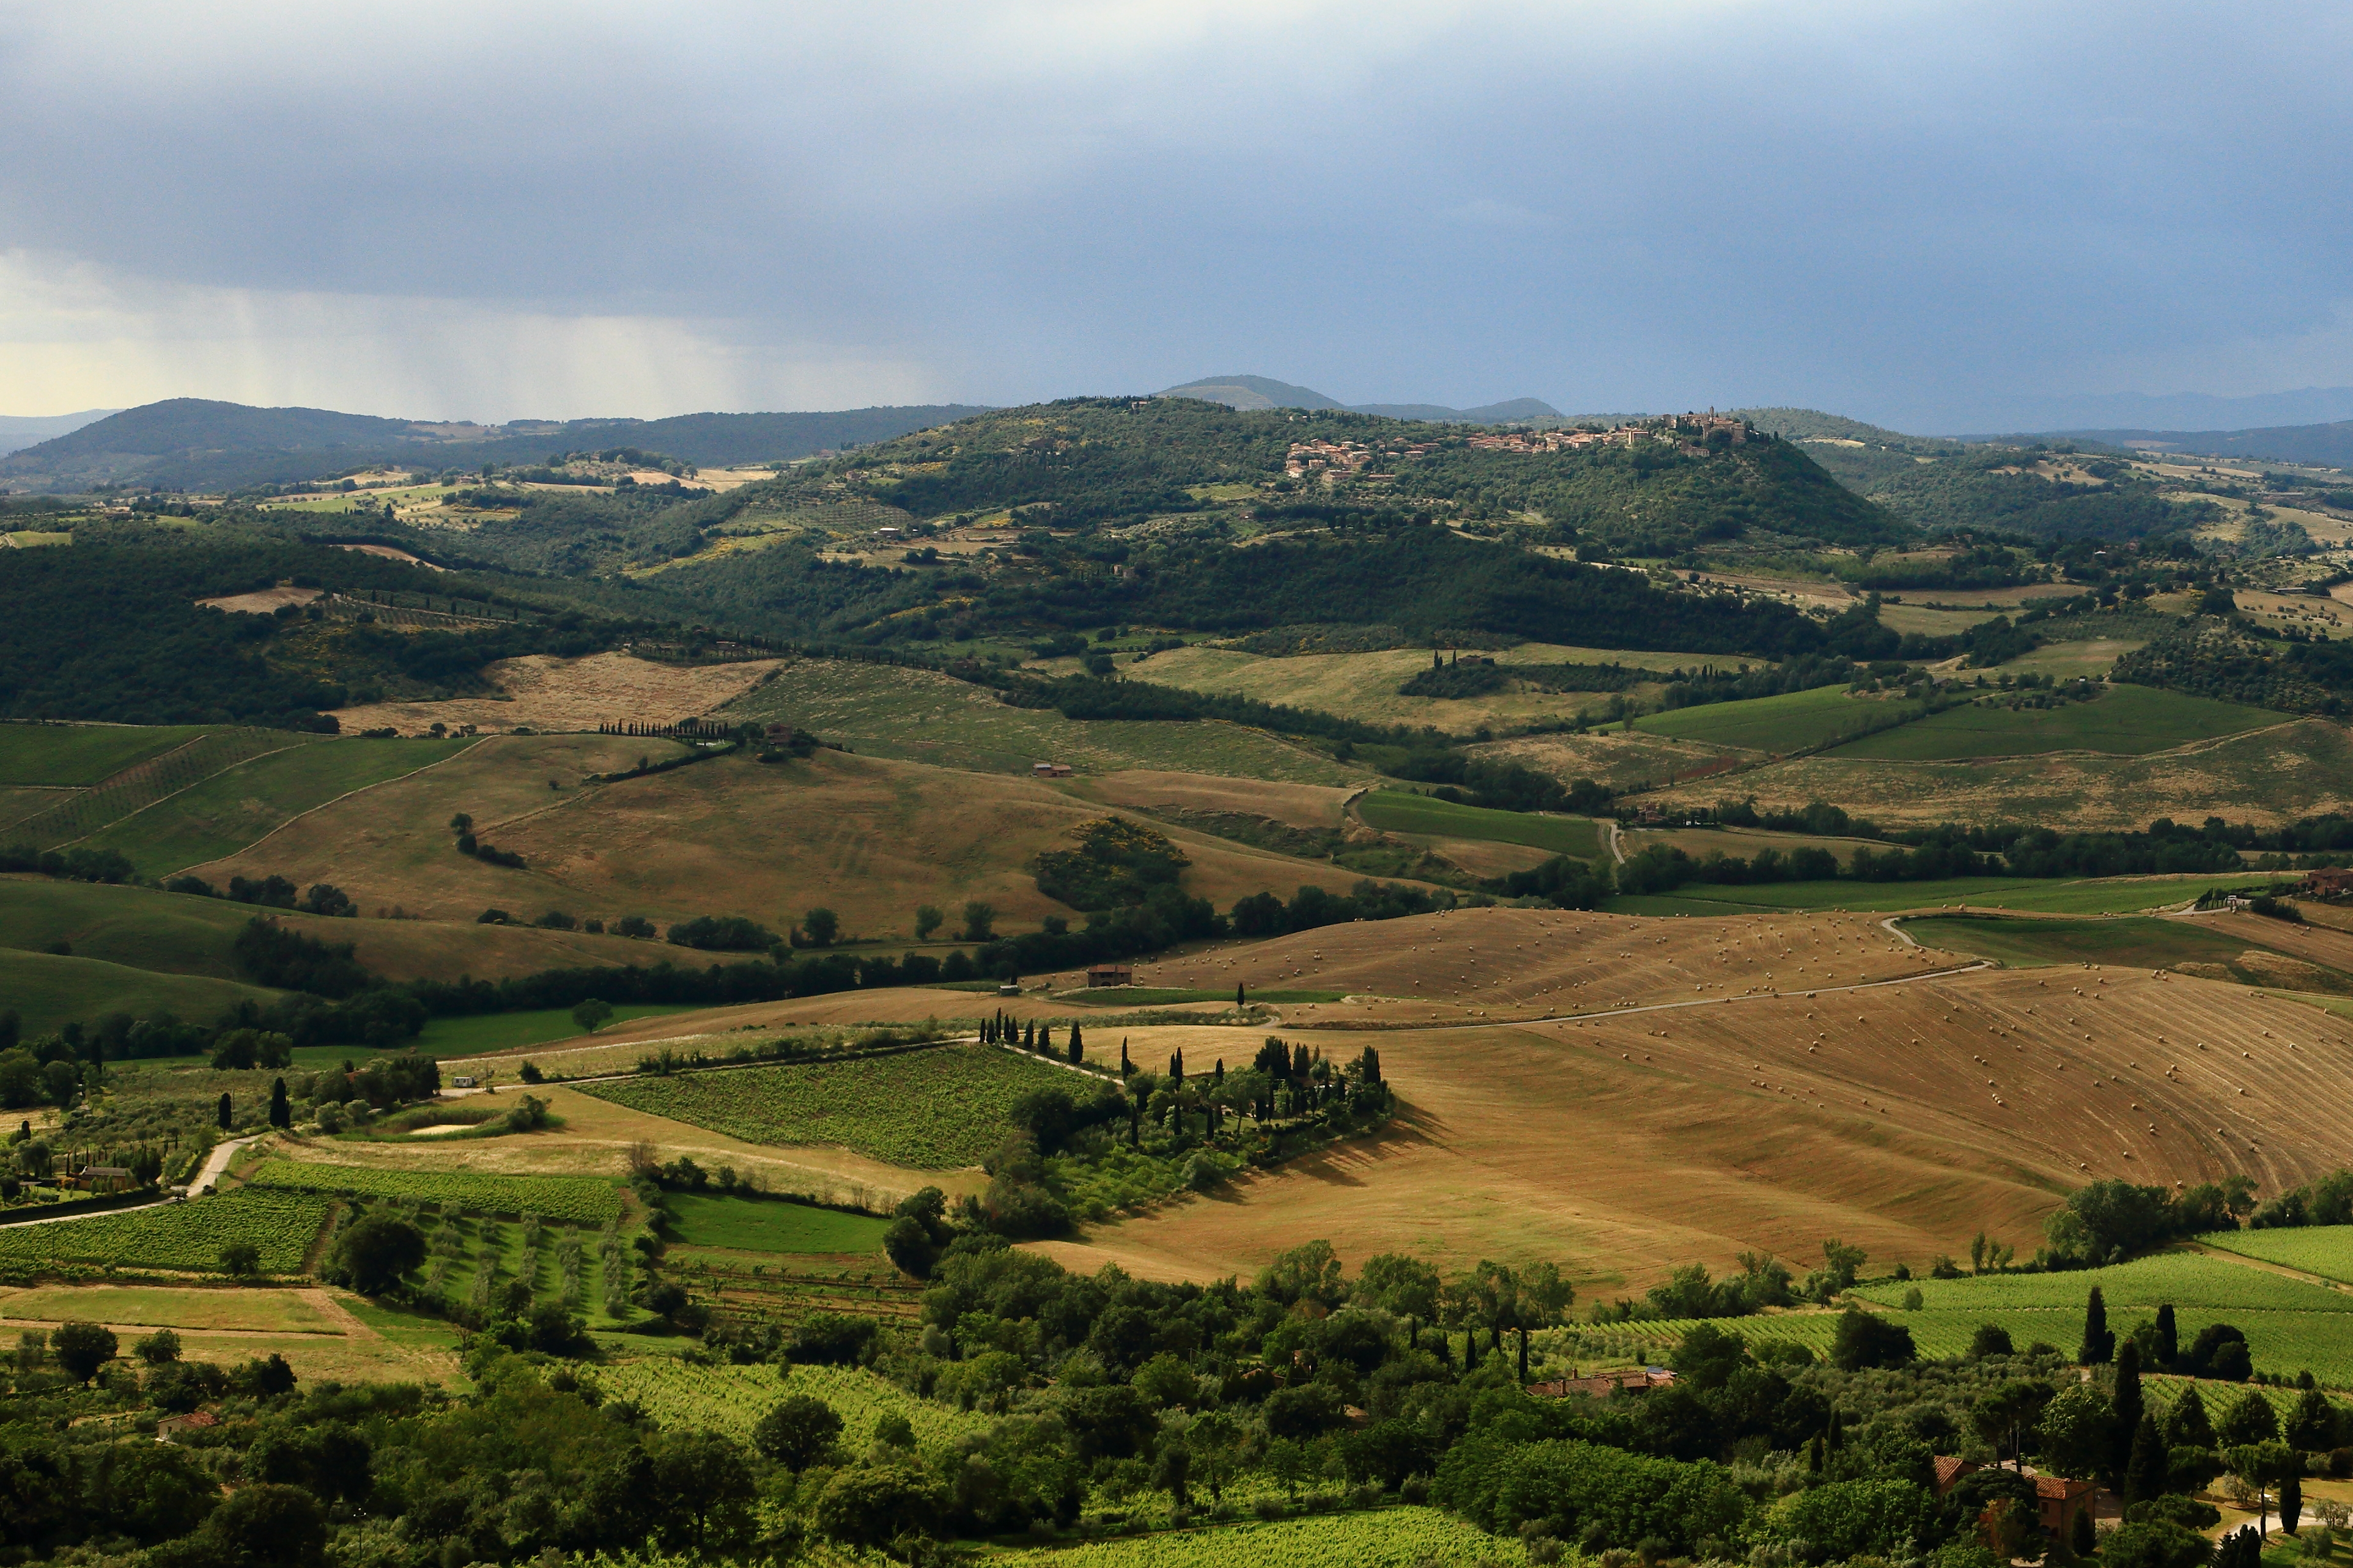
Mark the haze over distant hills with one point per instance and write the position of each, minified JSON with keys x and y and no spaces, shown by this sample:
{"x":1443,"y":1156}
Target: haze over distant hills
{"x":1260,"y":392}
{"x":198,"y":444}
{"x":18,"y":431}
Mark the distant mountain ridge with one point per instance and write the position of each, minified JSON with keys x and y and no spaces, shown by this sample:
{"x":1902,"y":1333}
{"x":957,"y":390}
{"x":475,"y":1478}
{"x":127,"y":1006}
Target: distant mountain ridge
{"x":197,"y":443}
{"x":21,"y":431}
{"x":1252,"y":391}
{"x":2328,"y":444}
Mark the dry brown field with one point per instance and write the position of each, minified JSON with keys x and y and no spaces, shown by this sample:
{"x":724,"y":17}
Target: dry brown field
{"x":543,"y":693}
{"x":261,"y":601}
{"x":2268,"y":777}
{"x":1901,"y":1118}
{"x":866,"y":837}
{"x":1621,"y":759}
{"x":313,"y":1329}
{"x":1714,"y":1094}
{"x":1292,"y":805}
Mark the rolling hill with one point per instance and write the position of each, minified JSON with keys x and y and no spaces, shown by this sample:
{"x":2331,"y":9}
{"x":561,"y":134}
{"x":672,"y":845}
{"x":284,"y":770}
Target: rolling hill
{"x":1258,"y":392}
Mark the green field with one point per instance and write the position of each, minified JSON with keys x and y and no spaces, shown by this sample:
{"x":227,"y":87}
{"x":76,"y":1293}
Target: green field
{"x":1402,"y":1537}
{"x":2322,"y":1249}
{"x":2142,"y":943}
{"x":578,"y":1200}
{"x":49,"y":992}
{"x":2035,"y":895}
{"x":918,"y":715}
{"x":184,"y":1236}
{"x":82,"y":753}
{"x":934,"y":1111}
{"x":487,"y":1031}
{"x":230,"y":810}
{"x":1789,"y":723}
{"x":1396,"y":811}
{"x":2127,"y":721}
{"x":460,"y":1249}
{"x":766,"y":1225}
{"x":2291,"y":1326}
{"x":730,"y":1399}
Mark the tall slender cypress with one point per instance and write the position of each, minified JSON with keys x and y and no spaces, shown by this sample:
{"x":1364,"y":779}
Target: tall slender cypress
{"x":2099,"y":1344}
{"x":2129,"y":1404}
{"x":2168,"y":1348}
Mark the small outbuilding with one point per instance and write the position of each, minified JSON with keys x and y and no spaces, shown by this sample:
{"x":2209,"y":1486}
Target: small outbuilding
{"x":1100,"y":975}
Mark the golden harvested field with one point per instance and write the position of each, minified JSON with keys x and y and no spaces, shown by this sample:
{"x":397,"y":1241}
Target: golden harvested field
{"x":2329,"y":946}
{"x":324,"y":1334}
{"x":1365,"y":685}
{"x":866,"y":837}
{"x":261,"y":601}
{"x":2268,"y":777}
{"x":596,"y":1139}
{"x":1630,"y":1146}
{"x":1632,"y":760}
{"x":544,"y":692}
{"x":921,"y":715}
{"x":1292,"y":805}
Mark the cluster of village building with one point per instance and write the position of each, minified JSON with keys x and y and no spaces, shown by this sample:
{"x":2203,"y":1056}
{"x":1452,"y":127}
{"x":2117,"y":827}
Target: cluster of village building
{"x":1694,"y":431}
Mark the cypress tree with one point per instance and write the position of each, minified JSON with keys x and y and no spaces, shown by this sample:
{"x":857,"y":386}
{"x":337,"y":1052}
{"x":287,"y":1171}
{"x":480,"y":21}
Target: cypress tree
{"x":2291,"y":1500}
{"x":1125,"y":1067}
{"x":1177,"y":1073}
{"x":2099,"y":1344}
{"x":1240,"y":998}
{"x":2129,"y":1404}
{"x":2146,"y":1473}
{"x":1078,"y":1050}
{"x":282,"y":1114}
{"x":2168,"y":1348}
{"x":2186,"y":1425}
{"x":2085,"y":1538}
{"x":1218,"y":1078}
{"x":1045,"y":1040}
{"x":223,"y":1112}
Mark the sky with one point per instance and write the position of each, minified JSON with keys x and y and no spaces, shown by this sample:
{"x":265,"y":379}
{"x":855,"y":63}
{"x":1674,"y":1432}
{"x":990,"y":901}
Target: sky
{"x":1937,"y":217}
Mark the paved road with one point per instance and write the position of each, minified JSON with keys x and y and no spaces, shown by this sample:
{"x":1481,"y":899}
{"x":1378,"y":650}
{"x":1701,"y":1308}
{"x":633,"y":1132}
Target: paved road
{"x":214,"y":1164}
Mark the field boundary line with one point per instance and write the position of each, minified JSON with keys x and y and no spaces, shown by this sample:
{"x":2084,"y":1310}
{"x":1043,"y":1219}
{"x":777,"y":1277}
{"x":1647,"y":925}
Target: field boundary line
{"x":163,"y":757}
{"x":347,"y":794}
{"x":2265,"y":1265}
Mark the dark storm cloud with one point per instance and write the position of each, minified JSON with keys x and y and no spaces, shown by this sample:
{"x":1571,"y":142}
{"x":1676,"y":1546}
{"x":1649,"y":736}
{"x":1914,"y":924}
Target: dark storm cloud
{"x":1929,"y":214}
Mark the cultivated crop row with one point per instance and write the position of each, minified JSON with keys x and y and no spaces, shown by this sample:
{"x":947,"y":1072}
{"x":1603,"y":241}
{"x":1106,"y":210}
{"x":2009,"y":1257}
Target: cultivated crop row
{"x":189,"y":1235}
{"x":576,"y":1200}
{"x":732,"y":1398}
{"x":1388,"y":1538}
{"x":934,"y":1110}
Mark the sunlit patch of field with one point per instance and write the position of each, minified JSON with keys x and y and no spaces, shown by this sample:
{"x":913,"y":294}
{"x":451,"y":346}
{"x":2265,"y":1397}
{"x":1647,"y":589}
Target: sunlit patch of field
{"x":544,"y":692}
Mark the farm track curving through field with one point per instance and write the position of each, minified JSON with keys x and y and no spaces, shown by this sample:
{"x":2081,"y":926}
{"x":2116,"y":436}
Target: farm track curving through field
{"x":214,"y":1164}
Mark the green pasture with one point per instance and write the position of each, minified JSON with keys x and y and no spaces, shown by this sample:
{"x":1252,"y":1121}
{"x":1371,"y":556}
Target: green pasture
{"x":47,"y":992}
{"x":2141,"y":943}
{"x":1399,"y":811}
{"x":2291,"y":1325}
{"x":2126,"y":721}
{"x":1789,"y":723}
{"x":230,"y":810}
{"x":82,"y":754}
{"x":2119,"y":895}
{"x":769,"y":1225}
{"x":140,"y":928}
{"x":488,"y":1031}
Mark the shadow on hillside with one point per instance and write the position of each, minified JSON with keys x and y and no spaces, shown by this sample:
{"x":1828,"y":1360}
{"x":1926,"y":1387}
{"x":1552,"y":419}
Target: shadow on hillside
{"x":1341,"y":1164}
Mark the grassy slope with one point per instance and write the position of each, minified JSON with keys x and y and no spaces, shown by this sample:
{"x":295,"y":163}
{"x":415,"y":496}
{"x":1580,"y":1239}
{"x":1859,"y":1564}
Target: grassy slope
{"x":868,"y":837}
{"x":182,"y":933}
{"x":231,"y":810}
{"x":920,"y":716}
{"x":2120,"y":894}
{"x":2322,"y":1249}
{"x":748,"y":1225}
{"x":49,"y":992}
{"x":82,"y":753}
{"x":511,"y":1031}
{"x":2128,"y":721}
{"x":1781,"y":723}
{"x":1365,"y":685}
{"x":1398,"y":811}
{"x":2267,"y":777}
{"x":2142,"y":943}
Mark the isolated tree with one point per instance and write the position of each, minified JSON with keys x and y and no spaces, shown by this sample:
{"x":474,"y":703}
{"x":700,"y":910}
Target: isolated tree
{"x":282,"y":1114}
{"x":591,"y":1014}
{"x":241,"y":1260}
{"x":927,"y":921}
{"x":223,"y":1113}
{"x":797,"y":1432}
{"x":1126,"y":1067}
{"x":2099,"y":1341}
{"x":158,"y":1348}
{"x":377,"y":1252}
{"x":1539,"y":1301}
{"x":2169,"y":1345}
{"x":1241,"y":998}
{"x":979,"y":921}
{"x":821,"y":925}
{"x":81,"y":1349}
{"x":1077,"y":1050}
